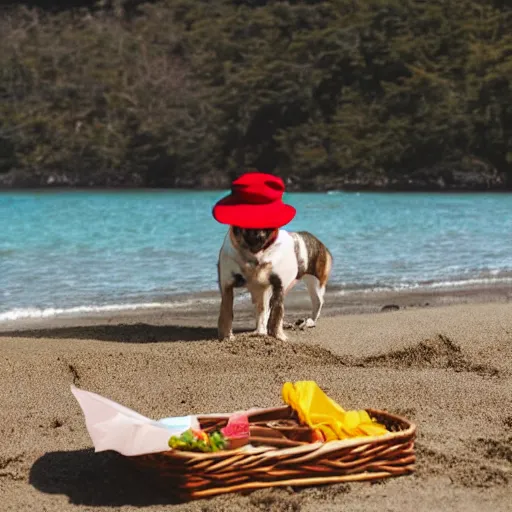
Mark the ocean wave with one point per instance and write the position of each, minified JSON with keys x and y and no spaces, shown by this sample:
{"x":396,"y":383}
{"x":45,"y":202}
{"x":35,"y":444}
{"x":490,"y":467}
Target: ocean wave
{"x":26,"y":313}
{"x":472,"y":282}
{"x":425,"y":285}
{"x":51,"y":312}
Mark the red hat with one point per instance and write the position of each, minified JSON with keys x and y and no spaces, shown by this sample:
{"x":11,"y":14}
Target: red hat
{"x":255,"y":202}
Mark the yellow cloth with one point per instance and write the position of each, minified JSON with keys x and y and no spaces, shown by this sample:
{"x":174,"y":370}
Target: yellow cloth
{"x":317,"y":410}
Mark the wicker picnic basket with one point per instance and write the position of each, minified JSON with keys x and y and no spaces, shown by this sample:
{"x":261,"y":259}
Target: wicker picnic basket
{"x":287,"y":461}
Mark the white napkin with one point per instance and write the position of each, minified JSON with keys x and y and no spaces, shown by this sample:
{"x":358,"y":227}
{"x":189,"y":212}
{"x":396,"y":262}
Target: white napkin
{"x":115,"y":427}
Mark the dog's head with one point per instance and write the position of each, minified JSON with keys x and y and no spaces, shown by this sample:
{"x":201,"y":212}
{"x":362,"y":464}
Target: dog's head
{"x":254,"y":240}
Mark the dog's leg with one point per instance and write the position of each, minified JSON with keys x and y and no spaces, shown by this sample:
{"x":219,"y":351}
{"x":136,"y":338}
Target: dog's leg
{"x":316,"y":292}
{"x":261,"y":300}
{"x":266,"y":307}
{"x":289,"y":325}
{"x":290,"y":286}
{"x":225,"y":323}
{"x":276,"y":317}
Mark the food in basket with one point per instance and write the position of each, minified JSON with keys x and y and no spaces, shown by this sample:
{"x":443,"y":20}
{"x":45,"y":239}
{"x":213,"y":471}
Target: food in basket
{"x":234,"y":435}
{"x":310,"y":417}
{"x":318,"y":436}
{"x":237,"y":427}
{"x":317,"y":418}
{"x":198,"y":441}
{"x":237,"y":430}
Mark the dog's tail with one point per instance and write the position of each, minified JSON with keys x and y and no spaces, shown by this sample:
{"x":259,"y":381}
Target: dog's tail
{"x":327,"y":268}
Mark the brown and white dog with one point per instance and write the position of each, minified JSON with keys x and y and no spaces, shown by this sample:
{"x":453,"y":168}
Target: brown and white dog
{"x":269,"y":262}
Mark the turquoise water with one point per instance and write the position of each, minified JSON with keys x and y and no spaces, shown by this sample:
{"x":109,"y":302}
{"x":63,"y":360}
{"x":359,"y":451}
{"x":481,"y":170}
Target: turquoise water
{"x":83,"y":251}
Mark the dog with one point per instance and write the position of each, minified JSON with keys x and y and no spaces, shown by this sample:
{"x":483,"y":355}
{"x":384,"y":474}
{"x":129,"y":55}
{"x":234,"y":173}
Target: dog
{"x":269,"y":262}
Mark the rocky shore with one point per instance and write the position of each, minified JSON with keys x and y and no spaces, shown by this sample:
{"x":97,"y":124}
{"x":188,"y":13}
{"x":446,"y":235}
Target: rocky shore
{"x":468,"y":175}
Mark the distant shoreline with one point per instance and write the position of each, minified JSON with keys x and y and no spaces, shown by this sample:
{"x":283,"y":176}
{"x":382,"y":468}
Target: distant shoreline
{"x":374,"y":190}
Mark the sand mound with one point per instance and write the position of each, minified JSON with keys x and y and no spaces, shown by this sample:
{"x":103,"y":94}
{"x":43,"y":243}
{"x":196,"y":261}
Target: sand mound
{"x":439,"y":352}
{"x":263,"y":347}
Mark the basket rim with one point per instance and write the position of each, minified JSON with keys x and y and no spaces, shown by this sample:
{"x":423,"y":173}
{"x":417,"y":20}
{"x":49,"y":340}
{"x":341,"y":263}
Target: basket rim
{"x":319,"y":447}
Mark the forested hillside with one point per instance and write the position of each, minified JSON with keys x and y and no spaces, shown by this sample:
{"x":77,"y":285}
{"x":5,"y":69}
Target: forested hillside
{"x":355,"y":94}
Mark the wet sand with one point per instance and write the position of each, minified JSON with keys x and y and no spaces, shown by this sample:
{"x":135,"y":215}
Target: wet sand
{"x":442,"y":359}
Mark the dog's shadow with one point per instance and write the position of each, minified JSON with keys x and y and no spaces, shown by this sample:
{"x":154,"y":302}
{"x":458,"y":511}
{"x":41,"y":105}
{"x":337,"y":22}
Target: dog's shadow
{"x":125,"y":333}
{"x":96,"y":479}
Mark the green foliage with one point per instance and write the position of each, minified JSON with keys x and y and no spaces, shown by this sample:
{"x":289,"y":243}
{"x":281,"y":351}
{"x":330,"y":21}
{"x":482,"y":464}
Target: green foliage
{"x":94,"y":96}
{"x":344,"y":92}
{"x":193,"y":441}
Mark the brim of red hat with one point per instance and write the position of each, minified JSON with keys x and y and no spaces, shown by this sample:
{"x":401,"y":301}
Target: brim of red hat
{"x":253,"y":216}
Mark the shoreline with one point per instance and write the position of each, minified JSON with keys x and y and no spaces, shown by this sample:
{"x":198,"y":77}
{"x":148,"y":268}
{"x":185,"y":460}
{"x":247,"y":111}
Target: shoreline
{"x":225,"y":189}
{"x":204,"y":306}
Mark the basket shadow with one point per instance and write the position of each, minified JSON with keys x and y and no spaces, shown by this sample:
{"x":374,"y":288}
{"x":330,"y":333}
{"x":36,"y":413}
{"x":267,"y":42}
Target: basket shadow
{"x":125,"y":333}
{"x":95,"y":479}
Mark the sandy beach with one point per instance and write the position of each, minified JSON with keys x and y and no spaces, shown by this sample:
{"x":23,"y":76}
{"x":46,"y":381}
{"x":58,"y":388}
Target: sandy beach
{"x":443,"y":360}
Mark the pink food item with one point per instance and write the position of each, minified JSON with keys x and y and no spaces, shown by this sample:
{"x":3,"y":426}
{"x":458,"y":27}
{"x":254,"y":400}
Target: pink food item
{"x":237,"y":427}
